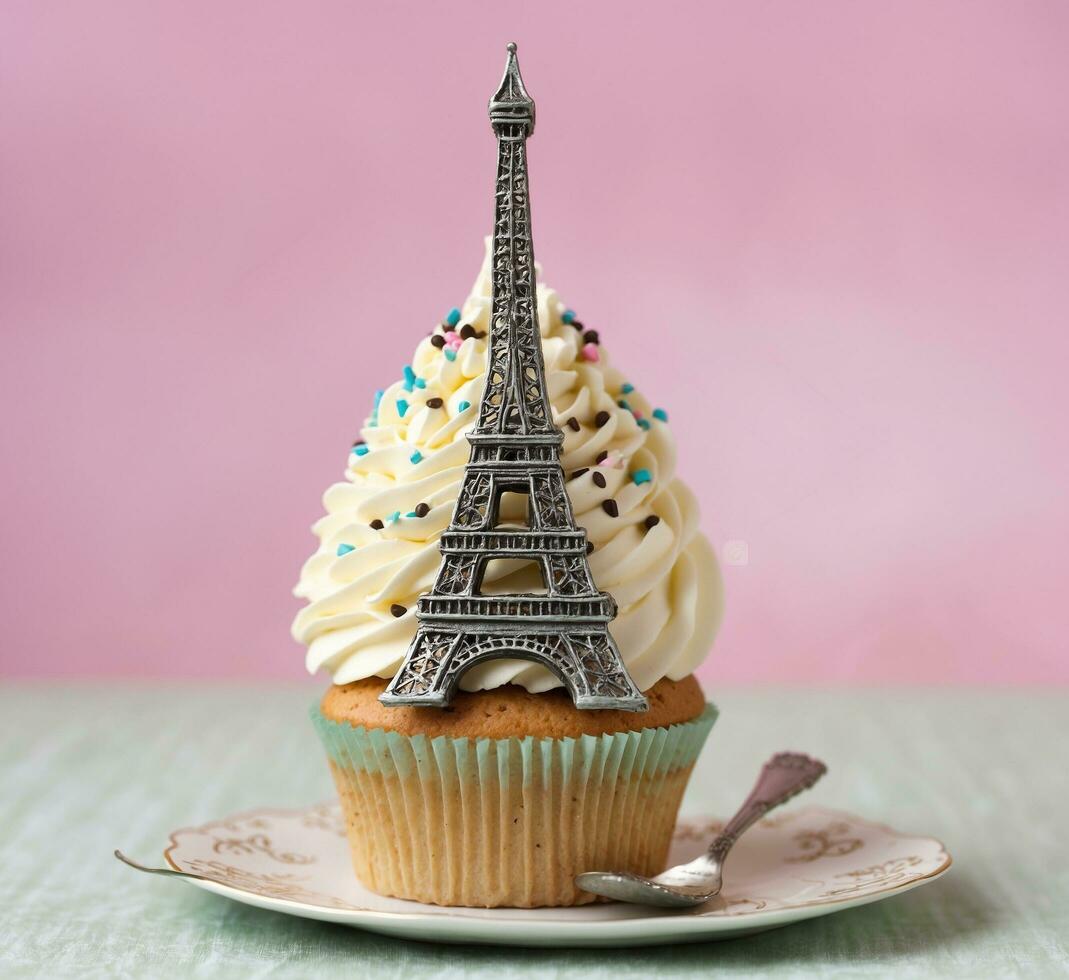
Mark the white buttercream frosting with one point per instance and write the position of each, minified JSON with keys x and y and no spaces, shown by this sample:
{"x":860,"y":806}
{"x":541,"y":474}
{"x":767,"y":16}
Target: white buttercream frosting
{"x":665,"y":579}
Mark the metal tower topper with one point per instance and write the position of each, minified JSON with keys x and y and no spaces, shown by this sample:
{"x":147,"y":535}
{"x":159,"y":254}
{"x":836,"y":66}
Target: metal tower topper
{"x":515,"y":447}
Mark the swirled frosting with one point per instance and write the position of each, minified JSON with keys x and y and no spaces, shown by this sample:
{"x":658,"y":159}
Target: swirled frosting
{"x":378,"y":542}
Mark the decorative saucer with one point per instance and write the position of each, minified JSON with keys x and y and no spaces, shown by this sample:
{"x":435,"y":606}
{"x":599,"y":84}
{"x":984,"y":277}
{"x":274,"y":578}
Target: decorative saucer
{"x":792,"y":866}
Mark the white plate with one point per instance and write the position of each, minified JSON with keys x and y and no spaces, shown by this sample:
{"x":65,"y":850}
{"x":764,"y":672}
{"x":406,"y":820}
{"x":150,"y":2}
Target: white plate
{"x":792,"y":866}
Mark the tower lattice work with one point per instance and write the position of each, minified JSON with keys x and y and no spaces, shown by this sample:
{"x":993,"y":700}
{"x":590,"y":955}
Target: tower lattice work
{"x":515,"y":447}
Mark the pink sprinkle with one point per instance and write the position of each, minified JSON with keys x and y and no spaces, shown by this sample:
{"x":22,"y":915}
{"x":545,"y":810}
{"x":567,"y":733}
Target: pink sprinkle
{"x":637,"y":414}
{"x":451,"y":335}
{"x":455,"y":344}
{"x":590,"y":352}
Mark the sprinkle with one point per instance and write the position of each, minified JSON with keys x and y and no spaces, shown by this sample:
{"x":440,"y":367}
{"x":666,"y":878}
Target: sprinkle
{"x":344,"y":549}
{"x":591,"y":337}
{"x":579,"y":473}
{"x":624,"y":405}
{"x":467,"y":331}
{"x":645,"y":423}
{"x":420,"y":383}
{"x":573,"y":424}
{"x":589,"y":547}
{"x":602,"y":456}
{"x":660,"y":414}
{"x":601,"y":419}
{"x":626,"y":388}
{"x":450,"y":355}
{"x":402,"y":407}
{"x":578,"y":326}
{"x":599,"y":480}
{"x":637,"y":414}
{"x":398,"y":610}
{"x":410,"y":377}
{"x":438,"y":340}
{"x":641,"y":476}
{"x":453,"y":317}
{"x":610,"y":507}
{"x":451,"y":336}
{"x":415,"y":457}
{"x":422,"y":510}
{"x":360,"y":450}
{"x":377,"y":525}
{"x":567,"y":316}
{"x":590,"y":352}
{"x":480,"y":334}
{"x":652,"y":521}
{"x":463,"y":406}
{"x":435,"y":403}
{"x":394,"y":517}
{"x":411,"y":513}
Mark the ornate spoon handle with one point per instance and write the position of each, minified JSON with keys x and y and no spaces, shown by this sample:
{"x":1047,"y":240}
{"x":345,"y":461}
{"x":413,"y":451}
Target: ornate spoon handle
{"x":783,"y":776}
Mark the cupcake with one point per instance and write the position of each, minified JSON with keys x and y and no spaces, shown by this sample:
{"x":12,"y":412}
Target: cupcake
{"x":505,"y":789}
{"x":503,"y":797}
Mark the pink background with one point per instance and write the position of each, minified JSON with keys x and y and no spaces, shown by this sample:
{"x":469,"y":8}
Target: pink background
{"x":830,"y":238}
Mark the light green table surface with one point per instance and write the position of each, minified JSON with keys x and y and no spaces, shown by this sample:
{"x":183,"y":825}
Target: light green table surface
{"x":84,"y":769}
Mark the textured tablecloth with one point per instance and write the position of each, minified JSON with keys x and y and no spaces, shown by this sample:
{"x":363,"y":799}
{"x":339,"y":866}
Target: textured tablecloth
{"x":84,"y":769}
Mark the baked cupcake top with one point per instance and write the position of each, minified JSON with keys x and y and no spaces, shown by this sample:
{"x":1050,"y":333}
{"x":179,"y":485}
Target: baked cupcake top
{"x":378,"y":542}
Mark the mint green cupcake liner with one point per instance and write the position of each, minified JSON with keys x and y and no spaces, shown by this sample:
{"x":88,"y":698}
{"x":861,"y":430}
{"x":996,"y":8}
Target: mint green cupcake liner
{"x":492,"y":822}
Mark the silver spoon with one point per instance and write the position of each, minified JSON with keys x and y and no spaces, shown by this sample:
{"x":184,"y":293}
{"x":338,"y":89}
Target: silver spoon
{"x":783,"y":776}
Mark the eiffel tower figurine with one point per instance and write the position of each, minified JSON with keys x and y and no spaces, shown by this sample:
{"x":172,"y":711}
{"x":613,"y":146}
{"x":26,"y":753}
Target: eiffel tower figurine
{"x":515,"y":447}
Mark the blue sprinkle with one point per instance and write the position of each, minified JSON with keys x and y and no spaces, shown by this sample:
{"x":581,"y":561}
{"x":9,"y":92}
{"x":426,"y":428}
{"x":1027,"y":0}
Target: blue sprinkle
{"x":661,"y":414}
{"x":641,"y":476}
{"x":450,"y":355}
{"x":567,"y":316}
{"x":626,"y":388}
{"x":463,"y":406}
{"x":420,"y":383}
{"x":645,"y":423}
{"x":453,"y":317}
{"x":402,"y":407}
{"x":410,"y":377}
{"x":344,"y":549}
{"x":416,"y":456}
{"x":394,"y":517}
{"x":624,"y":405}
{"x":360,"y":450}
{"x":411,"y":513}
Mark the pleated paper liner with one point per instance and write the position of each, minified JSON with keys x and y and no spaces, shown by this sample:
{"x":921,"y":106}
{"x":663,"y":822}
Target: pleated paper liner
{"x":507,"y":822}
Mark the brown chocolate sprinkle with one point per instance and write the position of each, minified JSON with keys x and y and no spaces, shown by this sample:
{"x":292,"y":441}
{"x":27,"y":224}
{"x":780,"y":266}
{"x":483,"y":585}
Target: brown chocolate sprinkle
{"x":573,"y":424}
{"x":377,"y":525}
{"x":579,"y":473}
{"x":467,"y":331}
{"x":422,"y":510}
{"x":358,"y":442}
{"x":589,"y":547}
{"x":480,"y":334}
{"x":398,"y":610}
{"x":610,"y":508}
{"x":603,"y":455}
{"x":438,"y":340}
{"x":601,"y":419}
{"x":578,"y":326}
{"x":435,"y":403}
{"x":599,"y":480}
{"x":652,"y":521}
{"x":590,"y":337}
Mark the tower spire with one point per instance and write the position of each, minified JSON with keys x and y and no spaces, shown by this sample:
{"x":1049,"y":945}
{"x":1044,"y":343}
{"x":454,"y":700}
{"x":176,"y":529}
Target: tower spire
{"x":511,"y":105}
{"x":515,"y":448}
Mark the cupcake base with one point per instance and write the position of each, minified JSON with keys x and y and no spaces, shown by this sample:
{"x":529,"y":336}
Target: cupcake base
{"x":490,"y":822}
